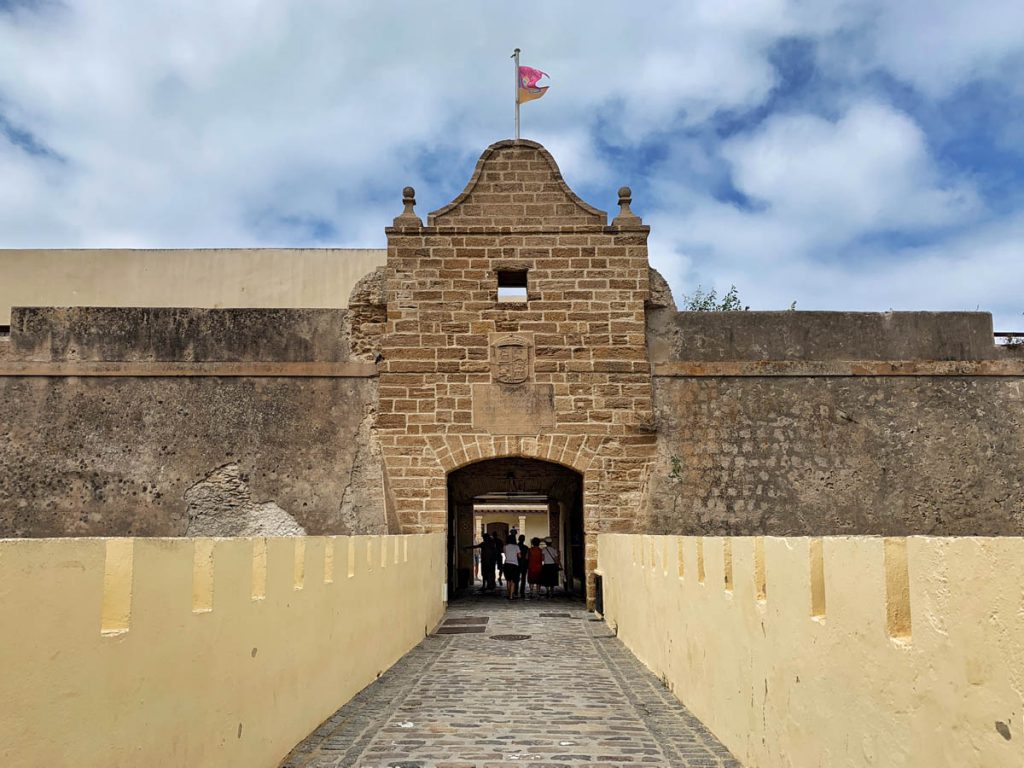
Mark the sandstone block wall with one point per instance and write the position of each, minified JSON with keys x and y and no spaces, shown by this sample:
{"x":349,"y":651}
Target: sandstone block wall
{"x":582,"y":396}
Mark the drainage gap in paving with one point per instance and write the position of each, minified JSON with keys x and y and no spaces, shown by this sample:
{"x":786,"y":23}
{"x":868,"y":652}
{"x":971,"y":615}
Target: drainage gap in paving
{"x":467,"y":620}
{"x":476,"y":629}
{"x":556,"y":615}
{"x":510,"y":637}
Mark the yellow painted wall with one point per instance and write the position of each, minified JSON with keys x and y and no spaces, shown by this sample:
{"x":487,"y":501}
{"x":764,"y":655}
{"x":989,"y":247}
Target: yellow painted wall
{"x":880,"y":652}
{"x":300,"y":278}
{"x":232,"y":677}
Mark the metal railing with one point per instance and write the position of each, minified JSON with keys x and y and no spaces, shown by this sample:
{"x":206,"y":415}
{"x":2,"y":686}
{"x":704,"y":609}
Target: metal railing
{"x":1009,"y":338}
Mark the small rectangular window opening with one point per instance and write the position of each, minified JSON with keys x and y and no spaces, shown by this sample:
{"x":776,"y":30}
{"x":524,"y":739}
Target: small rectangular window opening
{"x":512,"y":285}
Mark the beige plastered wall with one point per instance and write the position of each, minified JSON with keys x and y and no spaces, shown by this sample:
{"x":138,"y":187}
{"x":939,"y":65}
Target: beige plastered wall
{"x":199,"y":652}
{"x":832,"y":652}
{"x":537,"y":524}
{"x":300,"y":278}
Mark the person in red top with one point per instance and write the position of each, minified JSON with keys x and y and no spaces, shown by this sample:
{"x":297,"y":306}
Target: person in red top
{"x":534,"y":561}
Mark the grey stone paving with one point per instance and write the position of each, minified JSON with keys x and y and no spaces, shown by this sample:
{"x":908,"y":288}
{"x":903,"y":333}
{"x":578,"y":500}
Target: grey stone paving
{"x":571,"y":695}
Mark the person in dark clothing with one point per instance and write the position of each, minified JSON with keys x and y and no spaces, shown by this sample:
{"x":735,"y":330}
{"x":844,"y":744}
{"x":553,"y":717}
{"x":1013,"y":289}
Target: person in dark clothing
{"x":524,"y":554}
{"x":488,"y":561}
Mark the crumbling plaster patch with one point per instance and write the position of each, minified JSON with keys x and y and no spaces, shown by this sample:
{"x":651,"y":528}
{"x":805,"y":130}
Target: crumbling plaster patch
{"x":362,"y":500}
{"x":221,"y":505}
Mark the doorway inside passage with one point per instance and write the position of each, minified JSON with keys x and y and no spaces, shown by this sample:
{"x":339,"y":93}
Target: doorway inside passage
{"x":537,"y":498}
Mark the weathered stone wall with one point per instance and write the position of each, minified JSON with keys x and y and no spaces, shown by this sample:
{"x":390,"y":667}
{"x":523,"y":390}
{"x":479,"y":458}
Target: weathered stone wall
{"x":130,"y":449}
{"x":178,"y":335}
{"x":815,"y":423}
{"x":720,"y":336}
{"x":450,"y":394}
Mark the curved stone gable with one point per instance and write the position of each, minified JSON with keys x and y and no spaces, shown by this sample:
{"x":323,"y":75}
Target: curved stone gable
{"x":517,"y":183}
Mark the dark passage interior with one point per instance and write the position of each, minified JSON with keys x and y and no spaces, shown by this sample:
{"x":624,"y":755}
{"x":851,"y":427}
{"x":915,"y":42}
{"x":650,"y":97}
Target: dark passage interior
{"x":537,"y":498}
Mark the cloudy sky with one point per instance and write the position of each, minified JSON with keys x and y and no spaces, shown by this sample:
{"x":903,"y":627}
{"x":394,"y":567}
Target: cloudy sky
{"x":844,"y":155}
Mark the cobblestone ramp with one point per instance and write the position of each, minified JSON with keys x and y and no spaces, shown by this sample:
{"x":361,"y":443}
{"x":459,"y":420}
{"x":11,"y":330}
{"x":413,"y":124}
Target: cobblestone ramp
{"x":569,"y":695}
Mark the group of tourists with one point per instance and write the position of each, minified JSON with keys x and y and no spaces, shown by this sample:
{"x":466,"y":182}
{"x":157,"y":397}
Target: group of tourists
{"x":519,"y":566}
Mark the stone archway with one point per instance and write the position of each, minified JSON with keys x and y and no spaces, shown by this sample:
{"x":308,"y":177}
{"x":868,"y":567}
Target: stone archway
{"x":561,"y":374}
{"x":537,"y":497}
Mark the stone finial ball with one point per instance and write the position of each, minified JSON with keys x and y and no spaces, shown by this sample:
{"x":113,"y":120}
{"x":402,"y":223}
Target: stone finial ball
{"x":625,"y":192}
{"x":408,"y":192}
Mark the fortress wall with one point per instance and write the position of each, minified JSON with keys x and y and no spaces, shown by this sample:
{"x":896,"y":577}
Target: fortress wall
{"x":813,"y":455}
{"x":128,"y":421}
{"x":848,"y":651}
{"x":178,"y":335}
{"x":199,"y":652}
{"x":756,"y":336}
{"x":188,"y":277}
{"x":812,"y":423}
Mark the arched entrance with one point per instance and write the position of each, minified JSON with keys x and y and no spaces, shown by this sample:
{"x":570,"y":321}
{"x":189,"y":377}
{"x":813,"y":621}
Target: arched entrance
{"x":537,"y":498}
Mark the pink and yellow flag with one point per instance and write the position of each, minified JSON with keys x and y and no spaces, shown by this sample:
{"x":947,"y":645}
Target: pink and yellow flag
{"x":528,"y":88}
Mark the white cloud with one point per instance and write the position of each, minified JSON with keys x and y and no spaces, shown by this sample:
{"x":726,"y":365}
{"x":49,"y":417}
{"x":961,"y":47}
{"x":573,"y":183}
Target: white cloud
{"x":939,"y":45}
{"x":830,"y":194}
{"x":232,"y":123}
{"x":180,"y":120}
{"x":869,"y":170}
{"x":978,"y":270}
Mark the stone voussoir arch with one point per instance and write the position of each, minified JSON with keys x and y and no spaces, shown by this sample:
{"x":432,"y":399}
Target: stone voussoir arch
{"x":573,"y":451}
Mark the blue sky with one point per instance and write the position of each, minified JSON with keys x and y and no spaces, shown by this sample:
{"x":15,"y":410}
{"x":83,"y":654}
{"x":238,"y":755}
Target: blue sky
{"x":844,"y":155}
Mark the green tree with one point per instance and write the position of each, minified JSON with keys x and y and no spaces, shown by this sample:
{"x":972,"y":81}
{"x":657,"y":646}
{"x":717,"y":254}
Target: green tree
{"x":709,"y":301}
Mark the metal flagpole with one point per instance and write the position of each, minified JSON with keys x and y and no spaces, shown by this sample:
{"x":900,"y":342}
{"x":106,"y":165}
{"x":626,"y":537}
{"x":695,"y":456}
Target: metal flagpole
{"x":515,"y":56}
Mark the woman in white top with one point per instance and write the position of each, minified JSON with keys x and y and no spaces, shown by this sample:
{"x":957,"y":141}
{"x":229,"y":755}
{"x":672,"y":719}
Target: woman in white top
{"x":550,"y":567}
{"x":511,"y":567}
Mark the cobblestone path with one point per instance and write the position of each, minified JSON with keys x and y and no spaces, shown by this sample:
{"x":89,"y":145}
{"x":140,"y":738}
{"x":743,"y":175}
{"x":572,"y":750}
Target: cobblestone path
{"x":570,"y":695}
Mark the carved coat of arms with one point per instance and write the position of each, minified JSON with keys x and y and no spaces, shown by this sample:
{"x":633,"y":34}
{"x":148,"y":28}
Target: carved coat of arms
{"x":512,"y":359}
